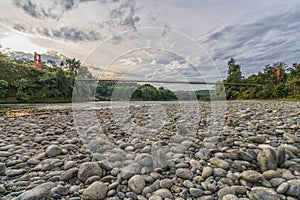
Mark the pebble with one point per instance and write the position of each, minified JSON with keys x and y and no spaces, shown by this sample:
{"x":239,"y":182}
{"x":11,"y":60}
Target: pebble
{"x":53,"y":150}
{"x":136,"y":183}
{"x":184,"y":173}
{"x":253,"y":155}
{"x":95,"y":191}
{"x":89,"y":169}
{"x":258,"y":193}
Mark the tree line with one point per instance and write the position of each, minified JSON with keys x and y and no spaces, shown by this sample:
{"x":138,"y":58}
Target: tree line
{"x":268,"y":84}
{"x":21,"y":82}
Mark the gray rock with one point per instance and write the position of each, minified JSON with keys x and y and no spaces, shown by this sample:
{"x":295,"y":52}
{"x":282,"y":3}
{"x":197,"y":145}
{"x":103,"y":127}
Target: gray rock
{"x":61,"y":190}
{"x":155,"y":197}
{"x":270,"y":174}
{"x":130,"y":170}
{"x":207,"y":171}
{"x":2,"y":168}
{"x":136,"y":184}
{"x":280,"y":152}
{"x":291,"y":148}
{"x":69,"y":164}
{"x":14,"y":172}
{"x":267,"y":159}
{"x":282,"y":188}
{"x":33,"y":161}
{"x":294,"y":189}
{"x":69,"y":174}
{"x":196,"y":192}
{"x":166,"y":183}
{"x":259,"y":193}
{"x":219,"y":172}
{"x":96,"y":191}
{"x":219,"y":163}
{"x":224,"y":191}
{"x":89,"y":169}
{"x":144,"y":159}
{"x":184,"y":174}
{"x":275,"y":182}
{"x":91,"y":180}
{"x":230,"y":197}
{"x":53,"y":150}
{"x":251,"y":176}
{"x":42,"y":191}
{"x":163,"y":193}
{"x":2,"y":189}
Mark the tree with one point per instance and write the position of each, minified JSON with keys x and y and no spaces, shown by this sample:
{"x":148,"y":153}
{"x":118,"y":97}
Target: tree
{"x":234,"y":76}
{"x":3,"y":88}
{"x":72,"y":65}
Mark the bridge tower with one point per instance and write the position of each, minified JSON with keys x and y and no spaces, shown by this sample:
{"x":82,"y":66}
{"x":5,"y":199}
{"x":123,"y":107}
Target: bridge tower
{"x":37,"y":61}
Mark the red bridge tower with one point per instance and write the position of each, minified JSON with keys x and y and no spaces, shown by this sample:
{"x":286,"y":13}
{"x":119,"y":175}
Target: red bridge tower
{"x":37,"y":61}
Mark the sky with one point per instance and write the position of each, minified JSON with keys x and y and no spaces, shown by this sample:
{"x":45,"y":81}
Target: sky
{"x":156,"y":39}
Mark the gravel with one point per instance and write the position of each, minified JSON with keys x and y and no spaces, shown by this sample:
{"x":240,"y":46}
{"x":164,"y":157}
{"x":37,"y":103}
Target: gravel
{"x":153,"y":151}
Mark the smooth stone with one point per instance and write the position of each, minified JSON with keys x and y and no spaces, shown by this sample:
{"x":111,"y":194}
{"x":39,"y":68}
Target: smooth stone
{"x":207,"y":172}
{"x":130,"y":170}
{"x":61,"y":190}
{"x":144,"y":159}
{"x":91,"y":180}
{"x":280,"y":152}
{"x":89,"y":169}
{"x":163,"y":193}
{"x":33,"y":161}
{"x":69,"y":174}
{"x":53,"y":150}
{"x":14,"y":172}
{"x":251,"y":176}
{"x":291,"y":148}
{"x":2,"y":168}
{"x":224,"y":191}
{"x":267,"y":160}
{"x":275,"y":182}
{"x":294,"y":189}
{"x":219,"y":172}
{"x":2,"y":189}
{"x":155,"y":197}
{"x":259,"y":193}
{"x":230,"y":197}
{"x":219,"y":163}
{"x":69,"y":165}
{"x":245,"y":156}
{"x":184,"y":173}
{"x":42,"y":191}
{"x":166,"y":183}
{"x":96,"y":191}
{"x":270,"y":174}
{"x":136,"y":184}
{"x":282,"y":188}
{"x":196,"y":192}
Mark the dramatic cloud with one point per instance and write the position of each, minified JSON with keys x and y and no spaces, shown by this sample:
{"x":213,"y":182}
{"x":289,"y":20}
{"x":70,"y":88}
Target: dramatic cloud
{"x":265,"y":41}
{"x":71,"y":34}
{"x":35,"y":10}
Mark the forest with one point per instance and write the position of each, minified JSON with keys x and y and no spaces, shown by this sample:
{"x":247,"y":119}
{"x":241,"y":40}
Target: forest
{"x":276,"y":81}
{"x":21,"y":82}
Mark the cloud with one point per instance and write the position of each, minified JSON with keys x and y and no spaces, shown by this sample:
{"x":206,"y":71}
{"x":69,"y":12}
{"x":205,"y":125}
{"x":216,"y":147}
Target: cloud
{"x":125,"y":14}
{"x":35,"y":10}
{"x":75,"y":35}
{"x":255,"y":44}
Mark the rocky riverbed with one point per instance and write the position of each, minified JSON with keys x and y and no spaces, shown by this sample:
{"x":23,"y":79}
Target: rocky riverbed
{"x":246,"y":150}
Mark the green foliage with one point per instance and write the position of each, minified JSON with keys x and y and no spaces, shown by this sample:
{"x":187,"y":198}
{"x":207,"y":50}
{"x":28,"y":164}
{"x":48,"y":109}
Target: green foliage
{"x":3,"y":88}
{"x":108,"y":90}
{"x":270,"y":87}
{"x":26,"y":83}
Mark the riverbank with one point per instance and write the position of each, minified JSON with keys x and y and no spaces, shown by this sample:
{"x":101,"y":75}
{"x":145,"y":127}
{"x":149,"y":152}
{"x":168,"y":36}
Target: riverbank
{"x":152,"y":151}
